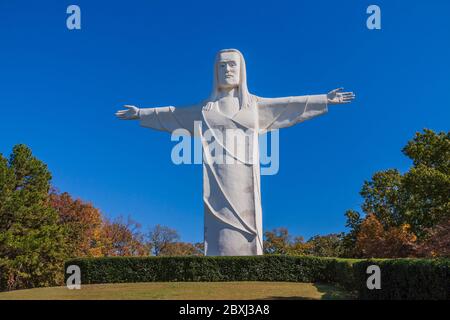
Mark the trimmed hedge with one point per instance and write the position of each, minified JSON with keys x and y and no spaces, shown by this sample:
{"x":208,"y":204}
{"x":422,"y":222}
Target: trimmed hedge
{"x":257,"y":268}
{"x":412,"y":279}
{"x":400,"y":278}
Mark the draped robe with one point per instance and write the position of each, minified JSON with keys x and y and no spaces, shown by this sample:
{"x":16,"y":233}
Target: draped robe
{"x":231,"y":190}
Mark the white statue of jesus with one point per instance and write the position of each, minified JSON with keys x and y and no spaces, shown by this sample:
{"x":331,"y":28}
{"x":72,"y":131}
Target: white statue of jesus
{"x":231,"y":191}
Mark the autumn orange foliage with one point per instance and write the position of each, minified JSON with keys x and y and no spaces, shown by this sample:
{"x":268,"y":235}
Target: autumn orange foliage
{"x":374,"y":241}
{"x":83,"y":223}
{"x":90,"y":234}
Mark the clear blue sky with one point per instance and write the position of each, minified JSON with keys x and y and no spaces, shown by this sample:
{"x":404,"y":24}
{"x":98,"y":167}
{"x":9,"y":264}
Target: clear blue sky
{"x":59,"y":90}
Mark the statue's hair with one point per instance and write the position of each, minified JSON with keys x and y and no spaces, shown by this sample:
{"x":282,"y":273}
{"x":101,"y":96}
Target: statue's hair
{"x":245,"y":98}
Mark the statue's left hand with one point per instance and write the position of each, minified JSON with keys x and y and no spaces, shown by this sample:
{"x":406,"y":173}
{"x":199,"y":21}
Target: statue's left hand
{"x":337,"y":97}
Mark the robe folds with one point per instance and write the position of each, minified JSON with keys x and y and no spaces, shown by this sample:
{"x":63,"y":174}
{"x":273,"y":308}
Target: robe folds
{"x":231,"y":182}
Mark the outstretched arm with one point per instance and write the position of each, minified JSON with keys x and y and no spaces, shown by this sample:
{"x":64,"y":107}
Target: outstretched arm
{"x":163,"y":118}
{"x":277,"y":113}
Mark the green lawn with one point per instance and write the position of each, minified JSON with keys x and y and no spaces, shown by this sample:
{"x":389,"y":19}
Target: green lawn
{"x":184,"y":290}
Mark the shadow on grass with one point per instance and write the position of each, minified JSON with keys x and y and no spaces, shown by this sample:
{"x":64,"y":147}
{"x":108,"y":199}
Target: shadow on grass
{"x":329,"y":292}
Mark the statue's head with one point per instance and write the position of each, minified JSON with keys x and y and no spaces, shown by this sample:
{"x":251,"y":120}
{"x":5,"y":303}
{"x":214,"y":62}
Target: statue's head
{"x":228,"y":69}
{"x":230,"y":72}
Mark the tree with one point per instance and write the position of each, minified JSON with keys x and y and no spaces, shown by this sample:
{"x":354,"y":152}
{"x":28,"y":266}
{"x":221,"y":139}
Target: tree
{"x":374,"y":241}
{"x":180,"y":249}
{"x":119,"y":238}
{"x":430,"y":149}
{"x":83,"y":222}
{"x":349,"y":239}
{"x":326,"y":246}
{"x":32,"y":242}
{"x":160,"y":237}
{"x":437,"y":243}
{"x":277,"y":241}
{"x":427,"y":184}
{"x":383,"y":196}
{"x":427,"y":200}
{"x":299,"y":247}
{"x":418,"y":198}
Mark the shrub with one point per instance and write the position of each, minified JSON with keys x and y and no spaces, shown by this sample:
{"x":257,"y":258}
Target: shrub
{"x":192,"y":268}
{"x":400,"y":278}
{"x":412,"y":279}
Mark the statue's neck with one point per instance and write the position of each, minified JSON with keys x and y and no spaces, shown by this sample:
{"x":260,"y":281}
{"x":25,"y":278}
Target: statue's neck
{"x":228,"y":92}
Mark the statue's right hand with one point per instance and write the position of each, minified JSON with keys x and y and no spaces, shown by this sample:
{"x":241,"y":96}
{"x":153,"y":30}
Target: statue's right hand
{"x":131,"y":113}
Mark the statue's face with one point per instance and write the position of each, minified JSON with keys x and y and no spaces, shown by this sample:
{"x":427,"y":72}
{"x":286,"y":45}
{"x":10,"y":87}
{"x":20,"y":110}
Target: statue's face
{"x":229,"y":67}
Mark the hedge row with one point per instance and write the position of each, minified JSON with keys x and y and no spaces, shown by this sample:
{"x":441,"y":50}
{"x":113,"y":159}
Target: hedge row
{"x":413,"y":279}
{"x":400,"y":279}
